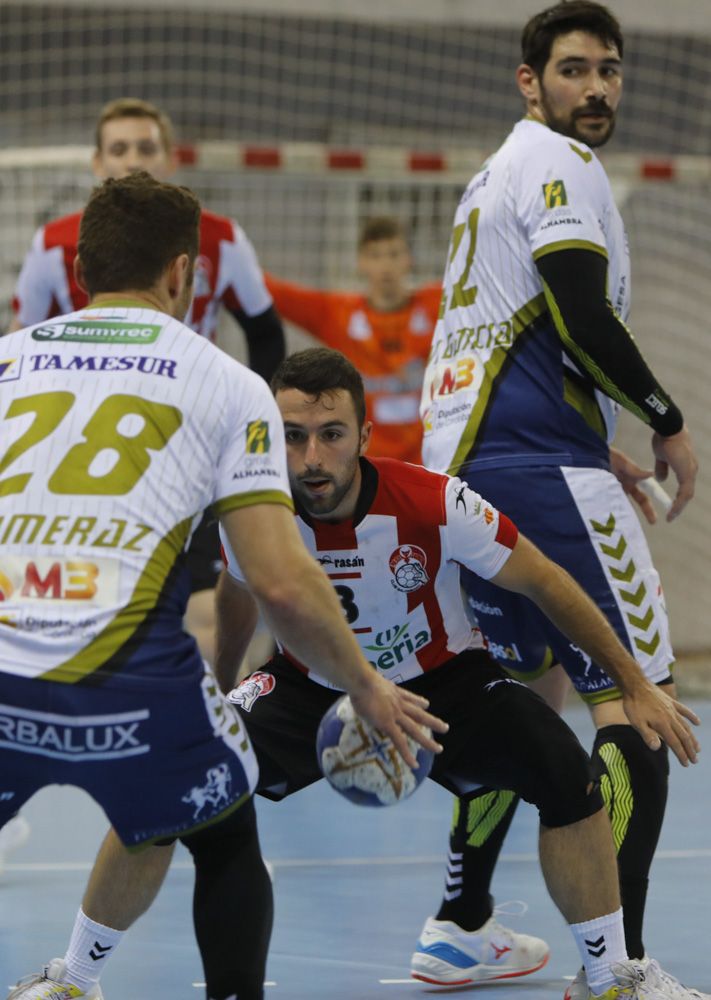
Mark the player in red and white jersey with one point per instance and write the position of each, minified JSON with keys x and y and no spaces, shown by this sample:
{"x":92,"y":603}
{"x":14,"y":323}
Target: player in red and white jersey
{"x":395,"y":563}
{"x":134,"y":135}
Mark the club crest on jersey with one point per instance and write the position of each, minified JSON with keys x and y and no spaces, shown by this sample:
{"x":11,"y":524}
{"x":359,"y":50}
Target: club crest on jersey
{"x":407,"y":565}
{"x":554,"y":194}
{"x":251,"y":688}
{"x":258,"y":442}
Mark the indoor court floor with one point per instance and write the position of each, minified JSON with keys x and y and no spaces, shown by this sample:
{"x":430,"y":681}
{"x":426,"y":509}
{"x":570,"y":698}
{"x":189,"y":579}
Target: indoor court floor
{"x":352,"y":889}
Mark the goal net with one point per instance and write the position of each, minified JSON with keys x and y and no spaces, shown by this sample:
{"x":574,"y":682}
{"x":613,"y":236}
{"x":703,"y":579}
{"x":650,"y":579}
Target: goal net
{"x":352,"y":118}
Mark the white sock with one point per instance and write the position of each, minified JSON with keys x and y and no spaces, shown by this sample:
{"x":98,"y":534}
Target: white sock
{"x":601,"y":943}
{"x":90,"y":947}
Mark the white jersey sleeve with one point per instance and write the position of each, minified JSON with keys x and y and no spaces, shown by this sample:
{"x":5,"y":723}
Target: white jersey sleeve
{"x":252,"y":463}
{"x":562,"y":195}
{"x":240,"y":271}
{"x":476,"y":534}
{"x":42,"y":281}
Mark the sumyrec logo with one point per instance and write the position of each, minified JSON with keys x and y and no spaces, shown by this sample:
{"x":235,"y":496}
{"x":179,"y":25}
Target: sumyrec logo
{"x":98,"y":332}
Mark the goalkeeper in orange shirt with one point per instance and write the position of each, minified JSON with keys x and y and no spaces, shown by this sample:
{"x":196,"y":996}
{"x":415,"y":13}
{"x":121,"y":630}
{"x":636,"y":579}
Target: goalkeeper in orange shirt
{"x":385,"y":332}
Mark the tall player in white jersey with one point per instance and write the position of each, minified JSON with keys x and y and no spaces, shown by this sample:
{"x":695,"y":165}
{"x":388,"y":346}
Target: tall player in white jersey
{"x":118,"y":427}
{"x":530,"y":362}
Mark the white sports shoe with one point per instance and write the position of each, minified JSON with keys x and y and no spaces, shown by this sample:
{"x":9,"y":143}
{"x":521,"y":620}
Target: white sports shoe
{"x":13,"y":835}
{"x":48,"y":985}
{"x":578,"y":989}
{"x":448,"y":956}
{"x":643,"y":978}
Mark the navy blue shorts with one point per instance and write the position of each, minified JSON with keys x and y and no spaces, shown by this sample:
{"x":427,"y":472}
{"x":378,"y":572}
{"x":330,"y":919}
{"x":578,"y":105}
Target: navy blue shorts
{"x":580,"y":518}
{"x":161,"y":759}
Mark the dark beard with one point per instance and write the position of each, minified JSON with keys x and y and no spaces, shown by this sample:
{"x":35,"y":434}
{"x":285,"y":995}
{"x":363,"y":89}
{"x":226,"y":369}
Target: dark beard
{"x":568,"y":126}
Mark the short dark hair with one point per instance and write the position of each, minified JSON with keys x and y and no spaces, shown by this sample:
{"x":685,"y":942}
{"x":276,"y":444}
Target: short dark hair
{"x":318,"y":371}
{"x":131,"y":229}
{"x":382,"y":227}
{"x":134,"y":107}
{"x":566,"y":16}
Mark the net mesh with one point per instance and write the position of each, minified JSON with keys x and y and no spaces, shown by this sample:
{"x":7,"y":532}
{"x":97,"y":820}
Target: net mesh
{"x":227,"y":75}
{"x":230,"y":76}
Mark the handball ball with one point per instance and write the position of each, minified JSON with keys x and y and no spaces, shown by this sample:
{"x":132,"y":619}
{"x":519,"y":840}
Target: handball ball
{"x":363,"y":764}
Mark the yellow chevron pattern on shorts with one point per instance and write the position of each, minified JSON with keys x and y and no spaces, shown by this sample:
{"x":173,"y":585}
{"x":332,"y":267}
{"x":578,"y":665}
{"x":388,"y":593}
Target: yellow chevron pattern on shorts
{"x":616,"y":788}
{"x":622,"y":569}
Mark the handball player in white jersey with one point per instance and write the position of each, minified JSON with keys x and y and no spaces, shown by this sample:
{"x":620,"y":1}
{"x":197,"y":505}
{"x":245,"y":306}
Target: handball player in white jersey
{"x":119,"y":426}
{"x":130,"y":135}
{"x":530,"y":362}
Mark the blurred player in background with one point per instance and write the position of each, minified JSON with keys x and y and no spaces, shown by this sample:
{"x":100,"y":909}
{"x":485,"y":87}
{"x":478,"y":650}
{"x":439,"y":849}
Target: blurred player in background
{"x":530,"y":363}
{"x":129,"y":407}
{"x":386,"y":332}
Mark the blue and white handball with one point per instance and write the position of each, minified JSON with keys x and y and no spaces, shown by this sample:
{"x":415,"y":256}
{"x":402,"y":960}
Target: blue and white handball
{"x":363,"y":764}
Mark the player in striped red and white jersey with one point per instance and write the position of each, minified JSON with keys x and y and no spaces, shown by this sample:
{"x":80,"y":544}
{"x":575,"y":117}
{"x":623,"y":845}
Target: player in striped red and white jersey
{"x":392,"y":538}
{"x":134,"y":135}
{"x":395,"y":563}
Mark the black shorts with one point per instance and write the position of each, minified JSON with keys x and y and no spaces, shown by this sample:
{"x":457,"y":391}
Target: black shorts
{"x":501,"y":735}
{"x":204,"y":562}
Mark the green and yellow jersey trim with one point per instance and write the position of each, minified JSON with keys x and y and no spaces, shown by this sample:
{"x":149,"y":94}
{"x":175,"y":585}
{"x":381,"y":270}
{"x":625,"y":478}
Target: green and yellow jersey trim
{"x":520,"y":322}
{"x":239,"y":500}
{"x":139,"y":605}
{"x":569,"y":245}
{"x":585,"y":404}
{"x":147,"y":591}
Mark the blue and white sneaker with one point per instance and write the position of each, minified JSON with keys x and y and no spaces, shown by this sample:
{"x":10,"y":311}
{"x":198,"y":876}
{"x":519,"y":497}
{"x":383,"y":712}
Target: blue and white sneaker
{"x":446,"y":955}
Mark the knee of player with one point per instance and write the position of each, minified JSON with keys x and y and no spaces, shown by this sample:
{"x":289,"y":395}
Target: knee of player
{"x":234,"y":833}
{"x":566,"y":791}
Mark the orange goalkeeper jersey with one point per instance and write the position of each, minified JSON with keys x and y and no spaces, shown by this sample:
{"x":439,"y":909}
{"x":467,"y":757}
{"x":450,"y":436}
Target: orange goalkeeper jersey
{"x":389,"y":349}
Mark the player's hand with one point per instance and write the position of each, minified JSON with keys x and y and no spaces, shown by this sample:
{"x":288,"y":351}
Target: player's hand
{"x":676,"y":453}
{"x":630,"y":475}
{"x":656,"y":716}
{"x":396,"y":711}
